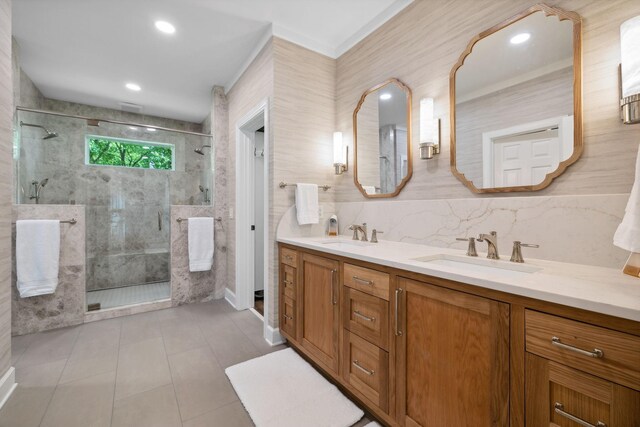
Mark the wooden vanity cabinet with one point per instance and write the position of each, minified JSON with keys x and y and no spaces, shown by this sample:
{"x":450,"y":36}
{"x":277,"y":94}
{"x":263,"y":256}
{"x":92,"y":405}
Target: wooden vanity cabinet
{"x":559,"y":395}
{"x":288,"y":293}
{"x":421,"y":351}
{"x":578,"y":374}
{"x":452,"y":352}
{"x":319,"y":320}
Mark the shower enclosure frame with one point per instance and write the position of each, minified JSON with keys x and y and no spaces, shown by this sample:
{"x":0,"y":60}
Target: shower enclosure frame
{"x":92,"y":121}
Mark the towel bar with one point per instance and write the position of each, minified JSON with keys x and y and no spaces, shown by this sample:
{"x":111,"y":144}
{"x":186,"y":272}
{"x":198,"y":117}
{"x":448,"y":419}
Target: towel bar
{"x":284,"y":184}
{"x":219,"y":219}
{"x":71,"y":221}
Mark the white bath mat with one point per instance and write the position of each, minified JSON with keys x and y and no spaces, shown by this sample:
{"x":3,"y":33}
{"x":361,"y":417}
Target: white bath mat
{"x":282,"y":390}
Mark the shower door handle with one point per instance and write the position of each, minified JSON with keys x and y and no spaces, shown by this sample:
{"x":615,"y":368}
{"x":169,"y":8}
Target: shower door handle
{"x":159,"y":221}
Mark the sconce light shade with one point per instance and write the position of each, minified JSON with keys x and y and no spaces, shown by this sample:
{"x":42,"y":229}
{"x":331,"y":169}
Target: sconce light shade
{"x":338,"y":150}
{"x":340,"y":154}
{"x":630,"y":70}
{"x":429,"y":130}
{"x":426,"y":120}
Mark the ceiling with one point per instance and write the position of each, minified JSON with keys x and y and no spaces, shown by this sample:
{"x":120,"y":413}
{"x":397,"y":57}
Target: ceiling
{"x":495,"y":63}
{"x":86,"y":50}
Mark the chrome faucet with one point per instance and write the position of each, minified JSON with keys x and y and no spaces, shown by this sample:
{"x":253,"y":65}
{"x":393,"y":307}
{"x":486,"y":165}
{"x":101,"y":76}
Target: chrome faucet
{"x":492,"y":244}
{"x":363,"y":228}
{"x":374,"y":235}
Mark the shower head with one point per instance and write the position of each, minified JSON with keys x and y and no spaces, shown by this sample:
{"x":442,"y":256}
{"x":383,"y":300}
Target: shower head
{"x":49,"y":134}
{"x":201,"y":149}
{"x":201,"y":188}
{"x":44,"y":182}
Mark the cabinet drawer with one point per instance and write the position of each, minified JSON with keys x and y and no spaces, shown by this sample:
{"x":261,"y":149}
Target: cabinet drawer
{"x":558,"y":395}
{"x":366,"y":369}
{"x":289,"y":281}
{"x":602,"y":352}
{"x":366,"y":280}
{"x":288,"y":319}
{"x":367,"y":316}
{"x":289,"y":257}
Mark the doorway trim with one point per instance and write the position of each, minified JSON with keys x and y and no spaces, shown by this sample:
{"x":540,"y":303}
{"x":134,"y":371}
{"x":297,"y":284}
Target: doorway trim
{"x":244,"y":211}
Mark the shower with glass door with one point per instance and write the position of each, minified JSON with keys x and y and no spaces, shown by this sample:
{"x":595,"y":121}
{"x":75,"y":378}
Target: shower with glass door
{"x":127,"y":177}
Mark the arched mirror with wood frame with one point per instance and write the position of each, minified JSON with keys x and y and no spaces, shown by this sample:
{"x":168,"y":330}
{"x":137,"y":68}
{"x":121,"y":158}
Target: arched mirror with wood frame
{"x":516,"y":102}
{"x":382,"y":140}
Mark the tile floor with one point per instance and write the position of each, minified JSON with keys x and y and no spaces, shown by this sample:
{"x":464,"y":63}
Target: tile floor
{"x":163,"y":368}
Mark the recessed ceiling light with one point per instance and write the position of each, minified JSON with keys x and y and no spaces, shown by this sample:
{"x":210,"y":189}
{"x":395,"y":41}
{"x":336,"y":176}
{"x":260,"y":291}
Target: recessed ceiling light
{"x":133,"y":86}
{"x":520,"y":38}
{"x":385,"y":96}
{"x":133,"y":128}
{"x":151,"y":129}
{"x":165,"y":27}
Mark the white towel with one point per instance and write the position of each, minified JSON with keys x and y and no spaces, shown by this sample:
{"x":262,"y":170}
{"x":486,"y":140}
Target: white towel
{"x":200,"y":244}
{"x":369,"y":189}
{"x":628,"y":233}
{"x":307,"y":206}
{"x":37,"y":256}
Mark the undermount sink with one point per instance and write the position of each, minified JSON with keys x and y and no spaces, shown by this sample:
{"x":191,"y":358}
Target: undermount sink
{"x":348,"y":242}
{"x":479,"y":265}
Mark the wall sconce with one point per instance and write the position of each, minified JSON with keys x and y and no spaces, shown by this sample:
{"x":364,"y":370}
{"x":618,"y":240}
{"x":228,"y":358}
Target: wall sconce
{"x":630,"y":70}
{"x":429,"y":130}
{"x":340,"y":154}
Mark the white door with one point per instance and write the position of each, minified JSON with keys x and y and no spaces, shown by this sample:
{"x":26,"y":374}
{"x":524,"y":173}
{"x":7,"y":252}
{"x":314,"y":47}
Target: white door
{"x":525,"y":159}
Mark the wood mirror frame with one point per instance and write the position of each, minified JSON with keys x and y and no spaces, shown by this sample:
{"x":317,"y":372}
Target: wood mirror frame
{"x":577,"y":97}
{"x":406,"y":179}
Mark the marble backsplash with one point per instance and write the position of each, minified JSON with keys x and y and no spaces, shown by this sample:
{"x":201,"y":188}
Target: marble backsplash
{"x":574,"y":229}
{"x":66,"y":306}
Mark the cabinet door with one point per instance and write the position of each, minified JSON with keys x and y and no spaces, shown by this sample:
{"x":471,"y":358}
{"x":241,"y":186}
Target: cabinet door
{"x":557,"y":395}
{"x":452,"y":357}
{"x":320,"y":309}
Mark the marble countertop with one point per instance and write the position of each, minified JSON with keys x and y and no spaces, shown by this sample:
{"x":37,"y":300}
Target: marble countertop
{"x":598,"y":289}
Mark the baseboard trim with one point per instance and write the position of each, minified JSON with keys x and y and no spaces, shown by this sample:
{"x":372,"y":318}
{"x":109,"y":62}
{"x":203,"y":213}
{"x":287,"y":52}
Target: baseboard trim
{"x":230,"y":297}
{"x":7,"y":385}
{"x":274,"y":337}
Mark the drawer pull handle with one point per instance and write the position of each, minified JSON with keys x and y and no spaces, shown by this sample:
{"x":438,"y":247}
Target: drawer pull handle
{"x":363,"y":317}
{"x":287,"y":282}
{"x":364,"y":281}
{"x":362,"y":368}
{"x":596,"y":353}
{"x":289,"y":257}
{"x":287,"y":317}
{"x":559,"y":409}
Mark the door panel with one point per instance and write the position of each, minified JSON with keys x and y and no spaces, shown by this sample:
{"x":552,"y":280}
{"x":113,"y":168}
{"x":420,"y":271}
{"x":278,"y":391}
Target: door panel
{"x":453,"y":358}
{"x":320,"y":322}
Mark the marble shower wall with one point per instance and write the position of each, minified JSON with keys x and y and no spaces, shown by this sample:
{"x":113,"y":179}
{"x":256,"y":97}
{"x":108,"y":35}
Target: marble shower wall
{"x":66,"y":306}
{"x":125,"y":244}
{"x":188,"y":287}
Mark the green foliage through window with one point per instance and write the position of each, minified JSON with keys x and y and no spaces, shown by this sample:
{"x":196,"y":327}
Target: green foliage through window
{"x":132,"y":154}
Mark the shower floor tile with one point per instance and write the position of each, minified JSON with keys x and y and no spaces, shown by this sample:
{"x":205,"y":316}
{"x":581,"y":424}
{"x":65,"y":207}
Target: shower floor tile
{"x":128,"y":295}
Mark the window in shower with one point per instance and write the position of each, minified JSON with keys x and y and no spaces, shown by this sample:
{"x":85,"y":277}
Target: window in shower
{"x":107,"y":151}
